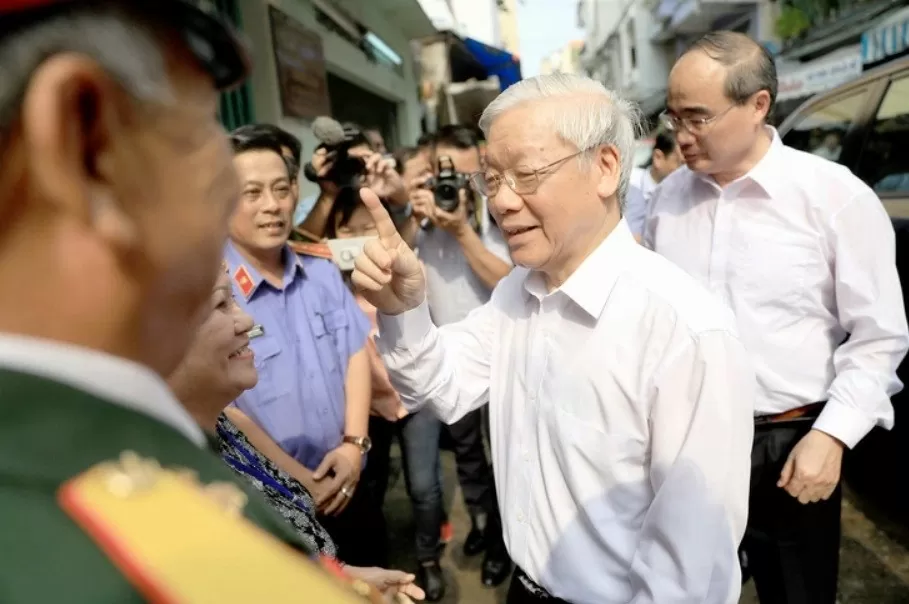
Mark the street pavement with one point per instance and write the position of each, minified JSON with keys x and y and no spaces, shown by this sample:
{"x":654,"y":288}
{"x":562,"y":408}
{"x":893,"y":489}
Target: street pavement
{"x":874,"y":559}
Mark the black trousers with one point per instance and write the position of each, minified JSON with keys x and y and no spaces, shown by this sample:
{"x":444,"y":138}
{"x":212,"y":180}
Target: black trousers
{"x":474,"y":470}
{"x":359,"y":531}
{"x":791,"y":550}
{"x":520,"y":593}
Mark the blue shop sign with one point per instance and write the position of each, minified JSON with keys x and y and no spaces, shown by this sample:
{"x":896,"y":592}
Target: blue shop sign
{"x":886,"y":39}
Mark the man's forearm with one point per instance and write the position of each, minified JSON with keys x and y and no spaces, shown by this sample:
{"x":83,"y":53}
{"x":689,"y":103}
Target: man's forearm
{"x":317,"y":219}
{"x":358,"y":392}
{"x":451,"y":376}
{"x":487,"y":266}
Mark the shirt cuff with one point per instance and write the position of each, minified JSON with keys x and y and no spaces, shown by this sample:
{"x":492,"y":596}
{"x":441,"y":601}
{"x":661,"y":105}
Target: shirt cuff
{"x":843,"y":422}
{"x":406,"y":329}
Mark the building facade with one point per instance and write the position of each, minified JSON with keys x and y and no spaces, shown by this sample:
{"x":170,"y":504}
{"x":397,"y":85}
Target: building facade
{"x":828,"y":45}
{"x":565,"y":60}
{"x":341,"y":58}
{"x":509,"y":28}
{"x":630,"y":45}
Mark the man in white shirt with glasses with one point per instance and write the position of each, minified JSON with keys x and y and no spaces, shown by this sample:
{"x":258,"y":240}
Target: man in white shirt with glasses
{"x":802,"y":251}
{"x":619,"y":395}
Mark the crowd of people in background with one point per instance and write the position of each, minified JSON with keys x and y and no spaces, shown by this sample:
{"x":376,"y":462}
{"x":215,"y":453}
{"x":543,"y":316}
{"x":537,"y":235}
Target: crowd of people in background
{"x":323,"y":410}
{"x":670,"y":362}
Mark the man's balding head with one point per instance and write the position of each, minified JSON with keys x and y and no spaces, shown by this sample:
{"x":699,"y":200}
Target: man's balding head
{"x":721,"y":92}
{"x":749,"y":67}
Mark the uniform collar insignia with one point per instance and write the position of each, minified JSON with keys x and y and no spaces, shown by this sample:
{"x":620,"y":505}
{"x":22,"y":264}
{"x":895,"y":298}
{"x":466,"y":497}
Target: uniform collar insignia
{"x":244,"y":281}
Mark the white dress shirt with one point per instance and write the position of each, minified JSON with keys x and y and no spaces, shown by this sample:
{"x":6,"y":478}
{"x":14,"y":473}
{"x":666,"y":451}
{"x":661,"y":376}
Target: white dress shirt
{"x":637,"y":201}
{"x":110,"y":378}
{"x":620,"y":419}
{"x":453,"y":289}
{"x":803,"y":253}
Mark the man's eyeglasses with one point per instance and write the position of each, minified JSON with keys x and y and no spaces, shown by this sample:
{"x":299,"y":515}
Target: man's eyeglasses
{"x":523,"y":181}
{"x":693,"y":125}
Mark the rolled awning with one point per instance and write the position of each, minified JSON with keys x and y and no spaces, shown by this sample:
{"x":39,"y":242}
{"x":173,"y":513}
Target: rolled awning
{"x":496,"y":61}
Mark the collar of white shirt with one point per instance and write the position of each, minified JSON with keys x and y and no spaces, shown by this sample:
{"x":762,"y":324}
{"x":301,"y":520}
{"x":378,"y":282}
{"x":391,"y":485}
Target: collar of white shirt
{"x":765,"y":173}
{"x":590,"y":285}
{"x":113,"y":379}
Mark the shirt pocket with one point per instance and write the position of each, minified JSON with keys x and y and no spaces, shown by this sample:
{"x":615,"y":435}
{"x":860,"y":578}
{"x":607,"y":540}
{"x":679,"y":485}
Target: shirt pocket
{"x":596,"y":463}
{"x":268,"y":356}
{"x":330,"y":331}
{"x":771,"y":266}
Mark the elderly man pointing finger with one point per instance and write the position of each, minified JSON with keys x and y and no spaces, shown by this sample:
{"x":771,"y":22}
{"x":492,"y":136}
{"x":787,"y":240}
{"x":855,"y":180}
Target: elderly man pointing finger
{"x":620,"y":398}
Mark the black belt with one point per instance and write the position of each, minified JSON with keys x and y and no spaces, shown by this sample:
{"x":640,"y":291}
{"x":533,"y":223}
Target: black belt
{"x":808,"y":413}
{"x":525,"y":590}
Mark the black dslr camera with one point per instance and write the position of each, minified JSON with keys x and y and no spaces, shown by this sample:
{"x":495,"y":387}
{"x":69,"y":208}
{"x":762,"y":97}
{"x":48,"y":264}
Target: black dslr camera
{"x":447,"y":185}
{"x":345,"y":171}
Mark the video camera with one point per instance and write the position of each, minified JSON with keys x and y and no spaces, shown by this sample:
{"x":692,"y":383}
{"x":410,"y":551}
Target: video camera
{"x":345,"y":171}
{"x":447,"y":186}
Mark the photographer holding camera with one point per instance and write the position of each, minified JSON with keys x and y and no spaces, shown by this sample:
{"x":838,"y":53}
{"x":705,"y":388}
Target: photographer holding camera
{"x":465,"y":257}
{"x":341,"y":164}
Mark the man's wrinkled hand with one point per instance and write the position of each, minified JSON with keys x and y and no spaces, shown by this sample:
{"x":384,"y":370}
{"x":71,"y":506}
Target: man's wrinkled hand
{"x":812,"y":471}
{"x":388,"y":582}
{"x":340,"y":470}
{"x":387,"y":272}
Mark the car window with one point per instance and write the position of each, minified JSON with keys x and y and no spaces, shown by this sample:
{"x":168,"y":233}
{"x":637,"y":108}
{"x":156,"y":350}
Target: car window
{"x":885,"y":159}
{"x":822,"y":129}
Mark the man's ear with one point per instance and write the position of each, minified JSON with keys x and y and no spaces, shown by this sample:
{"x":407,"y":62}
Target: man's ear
{"x":74,"y":124}
{"x":659,"y":155}
{"x":606,"y":159}
{"x":70,"y":119}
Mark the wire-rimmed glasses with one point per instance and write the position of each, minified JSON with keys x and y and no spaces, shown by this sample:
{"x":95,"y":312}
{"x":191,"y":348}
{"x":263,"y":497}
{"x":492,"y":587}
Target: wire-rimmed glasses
{"x":523,"y":181}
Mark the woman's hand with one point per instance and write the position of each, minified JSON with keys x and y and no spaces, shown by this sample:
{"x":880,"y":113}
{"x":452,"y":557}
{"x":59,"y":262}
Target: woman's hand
{"x":389,"y":582}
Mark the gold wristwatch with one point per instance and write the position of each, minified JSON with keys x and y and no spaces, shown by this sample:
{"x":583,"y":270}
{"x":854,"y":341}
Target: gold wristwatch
{"x":364,"y":442}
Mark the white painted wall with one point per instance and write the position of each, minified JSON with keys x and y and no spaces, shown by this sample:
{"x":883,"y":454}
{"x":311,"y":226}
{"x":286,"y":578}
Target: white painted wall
{"x":342,"y":59}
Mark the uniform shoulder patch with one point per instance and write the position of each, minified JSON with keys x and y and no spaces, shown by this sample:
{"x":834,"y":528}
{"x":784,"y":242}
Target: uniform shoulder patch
{"x":178,"y":541}
{"x":306,"y":248}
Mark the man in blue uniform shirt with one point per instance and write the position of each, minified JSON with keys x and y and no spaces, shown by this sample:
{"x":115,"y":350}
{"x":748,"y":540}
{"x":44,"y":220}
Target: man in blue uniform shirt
{"x":313,"y":394}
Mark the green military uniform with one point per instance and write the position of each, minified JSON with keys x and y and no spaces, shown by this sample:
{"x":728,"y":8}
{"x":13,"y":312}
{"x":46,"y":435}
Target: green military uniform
{"x":50,"y":433}
{"x":105,"y":501}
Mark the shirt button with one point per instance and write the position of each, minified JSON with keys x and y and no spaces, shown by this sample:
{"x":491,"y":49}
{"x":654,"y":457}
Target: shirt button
{"x":521,"y":517}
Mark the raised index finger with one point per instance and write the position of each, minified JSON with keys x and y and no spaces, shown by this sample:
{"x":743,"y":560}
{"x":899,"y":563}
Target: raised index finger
{"x":385,"y":227}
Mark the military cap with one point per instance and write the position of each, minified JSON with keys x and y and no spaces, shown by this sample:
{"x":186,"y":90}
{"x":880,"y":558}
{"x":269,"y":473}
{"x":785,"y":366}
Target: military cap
{"x":218,"y":48}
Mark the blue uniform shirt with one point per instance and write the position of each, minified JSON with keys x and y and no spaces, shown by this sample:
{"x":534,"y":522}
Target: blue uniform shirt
{"x":313,"y":327}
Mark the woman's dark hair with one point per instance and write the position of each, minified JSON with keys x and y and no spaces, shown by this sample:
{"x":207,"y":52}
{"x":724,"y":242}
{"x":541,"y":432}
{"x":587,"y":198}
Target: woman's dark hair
{"x":346,"y":202}
{"x":255,"y":138}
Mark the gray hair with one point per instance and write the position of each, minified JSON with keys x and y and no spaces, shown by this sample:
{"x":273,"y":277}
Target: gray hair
{"x":603,"y":118}
{"x":749,"y":66}
{"x":128,"y":51}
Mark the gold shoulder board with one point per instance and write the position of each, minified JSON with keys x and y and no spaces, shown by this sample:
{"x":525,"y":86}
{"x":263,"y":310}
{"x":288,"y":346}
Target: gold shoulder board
{"x":179,"y":542}
{"x":318,"y":250}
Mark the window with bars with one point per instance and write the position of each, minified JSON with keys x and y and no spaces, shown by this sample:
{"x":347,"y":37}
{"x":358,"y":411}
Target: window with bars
{"x":236,"y":107}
